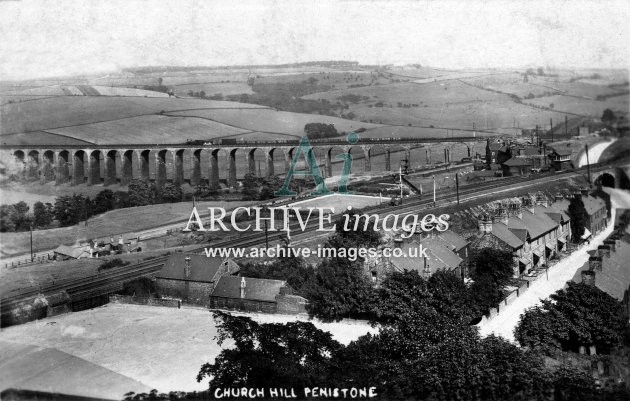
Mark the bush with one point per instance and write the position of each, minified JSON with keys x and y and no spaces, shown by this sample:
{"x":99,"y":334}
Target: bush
{"x":113,"y":263}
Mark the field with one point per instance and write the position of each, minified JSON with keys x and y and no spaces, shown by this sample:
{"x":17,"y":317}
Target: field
{"x":131,"y":340}
{"x":581,"y":106}
{"x":271,"y":121}
{"x":214,"y":88}
{"x":450,"y":104}
{"x":69,"y":111}
{"x":149,"y":129}
{"x":111,"y":223}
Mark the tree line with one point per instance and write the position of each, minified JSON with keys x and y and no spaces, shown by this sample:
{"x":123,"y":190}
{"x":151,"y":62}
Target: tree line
{"x":68,"y":210}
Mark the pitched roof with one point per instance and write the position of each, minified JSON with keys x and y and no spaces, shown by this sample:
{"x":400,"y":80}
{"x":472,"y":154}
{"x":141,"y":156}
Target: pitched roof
{"x":593,"y":204}
{"x":454,"y":240}
{"x":531,"y":150}
{"x":502,"y":232}
{"x":538,"y":223}
{"x":202,"y":268}
{"x":495,"y":145}
{"x":438,"y":257}
{"x":517,"y":161}
{"x":73,"y":251}
{"x":561,"y":152}
{"x":556,"y":212}
{"x":614,"y":278}
{"x":256,"y":289}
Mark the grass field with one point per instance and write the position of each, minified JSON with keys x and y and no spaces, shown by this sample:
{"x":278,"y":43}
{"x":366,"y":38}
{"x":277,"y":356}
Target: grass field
{"x":268,"y":120}
{"x":39,"y":137}
{"x":149,"y":129}
{"x":111,"y":223}
{"x":214,"y":88}
{"x":80,"y":110}
{"x":587,"y":107}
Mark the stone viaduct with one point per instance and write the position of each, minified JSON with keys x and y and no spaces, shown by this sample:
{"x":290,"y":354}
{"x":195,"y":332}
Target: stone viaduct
{"x":179,"y":163}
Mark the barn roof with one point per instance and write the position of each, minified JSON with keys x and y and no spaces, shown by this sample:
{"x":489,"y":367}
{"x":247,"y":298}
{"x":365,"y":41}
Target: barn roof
{"x":202,"y":268}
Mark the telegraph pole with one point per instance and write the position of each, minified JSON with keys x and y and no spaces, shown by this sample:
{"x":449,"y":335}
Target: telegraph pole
{"x":401,"y":186}
{"x":31,"y":242}
{"x":457,"y":185}
{"x":588,"y":165}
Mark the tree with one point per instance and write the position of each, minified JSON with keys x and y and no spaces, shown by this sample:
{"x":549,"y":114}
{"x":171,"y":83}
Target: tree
{"x":540,"y":71}
{"x":579,"y":216}
{"x":495,"y":263}
{"x":70,"y":210}
{"x":7,"y":218}
{"x":141,"y":193}
{"x":104,"y":201}
{"x":347,"y":237}
{"x":42,"y":214}
{"x":205,"y":192}
{"x":338,"y":289}
{"x":580,"y":315}
{"x":296,"y":354}
{"x":22,"y":219}
{"x":608,"y":117}
{"x":121,"y":199}
{"x":171,"y":193}
{"x":250,"y":187}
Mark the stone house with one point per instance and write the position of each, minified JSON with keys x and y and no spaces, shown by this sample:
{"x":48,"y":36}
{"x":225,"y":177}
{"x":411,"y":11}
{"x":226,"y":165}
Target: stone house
{"x":530,"y":234}
{"x":440,"y":256}
{"x":607,"y":268}
{"x":516,"y":166}
{"x":256,"y":295}
{"x":496,"y":152}
{"x":596,"y":210}
{"x":192,"y":278}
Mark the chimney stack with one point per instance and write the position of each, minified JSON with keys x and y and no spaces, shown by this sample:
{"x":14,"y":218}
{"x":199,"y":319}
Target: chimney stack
{"x":541,"y":200}
{"x":502,"y":216}
{"x":584,"y":192}
{"x":603,"y":251}
{"x":243,"y":285}
{"x":611,"y":243}
{"x":485,"y":224}
{"x":558,"y":197}
{"x":588,"y":277}
{"x":595,"y":263}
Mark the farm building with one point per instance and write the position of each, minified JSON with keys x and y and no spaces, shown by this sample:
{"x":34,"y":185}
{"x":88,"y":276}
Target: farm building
{"x":65,"y":252}
{"x":256,"y":295}
{"x":192,"y":277}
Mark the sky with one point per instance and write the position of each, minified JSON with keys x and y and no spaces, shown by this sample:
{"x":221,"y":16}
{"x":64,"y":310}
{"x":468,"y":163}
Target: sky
{"x":59,"y":38}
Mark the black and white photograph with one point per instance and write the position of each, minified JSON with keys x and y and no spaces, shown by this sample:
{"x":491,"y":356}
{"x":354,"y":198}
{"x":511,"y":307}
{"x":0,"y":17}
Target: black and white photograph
{"x":314,"y":200}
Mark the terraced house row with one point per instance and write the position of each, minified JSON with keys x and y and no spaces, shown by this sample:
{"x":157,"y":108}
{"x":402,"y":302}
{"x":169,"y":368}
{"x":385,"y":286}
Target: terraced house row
{"x":538,"y":231}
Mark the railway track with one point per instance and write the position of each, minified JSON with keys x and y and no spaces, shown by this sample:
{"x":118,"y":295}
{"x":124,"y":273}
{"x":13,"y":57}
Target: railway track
{"x":95,"y":284}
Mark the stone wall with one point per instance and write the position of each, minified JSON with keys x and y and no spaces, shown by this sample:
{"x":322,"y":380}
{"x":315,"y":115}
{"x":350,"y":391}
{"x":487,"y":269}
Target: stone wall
{"x":195,"y":292}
